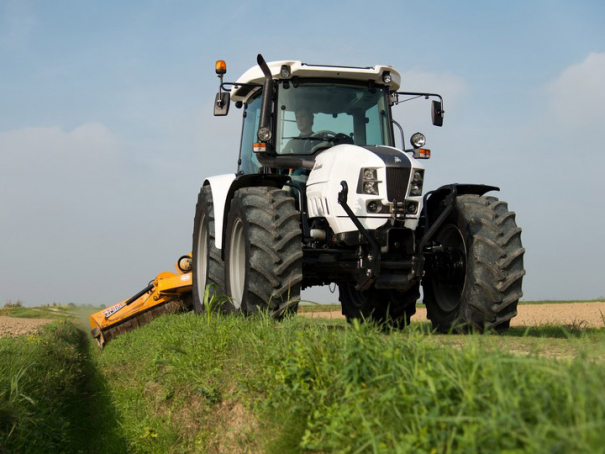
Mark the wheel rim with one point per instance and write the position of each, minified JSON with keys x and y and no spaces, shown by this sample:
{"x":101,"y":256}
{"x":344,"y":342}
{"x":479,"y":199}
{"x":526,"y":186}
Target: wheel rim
{"x":201,"y":264}
{"x":449,"y":280}
{"x":237,"y":263}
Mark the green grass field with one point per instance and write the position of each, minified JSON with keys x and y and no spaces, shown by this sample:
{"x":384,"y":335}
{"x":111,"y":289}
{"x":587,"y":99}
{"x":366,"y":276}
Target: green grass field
{"x":231,"y":384}
{"x":58,"y":312}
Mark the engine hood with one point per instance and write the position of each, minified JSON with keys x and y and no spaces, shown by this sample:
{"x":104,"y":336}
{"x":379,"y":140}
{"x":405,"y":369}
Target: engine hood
{"x":350,"y":159}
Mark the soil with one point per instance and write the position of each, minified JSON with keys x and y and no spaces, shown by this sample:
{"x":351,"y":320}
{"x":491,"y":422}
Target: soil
{"x":11,"y":326}
{"x":580,"y":315}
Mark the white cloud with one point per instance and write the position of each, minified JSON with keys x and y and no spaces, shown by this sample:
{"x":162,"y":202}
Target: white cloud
{"x":48,"y":170}
{"x":58,"y":194}
{"x":577,"y":96}
{"x":89,"y":139}
{"x":31,"y":153}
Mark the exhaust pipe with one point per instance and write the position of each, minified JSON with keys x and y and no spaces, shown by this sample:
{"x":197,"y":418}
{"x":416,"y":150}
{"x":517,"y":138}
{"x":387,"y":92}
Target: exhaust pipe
{"x":264,"y":129}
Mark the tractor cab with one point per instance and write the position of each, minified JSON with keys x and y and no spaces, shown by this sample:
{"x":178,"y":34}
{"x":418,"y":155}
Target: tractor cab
{"x":313,"y":115}
{"x":294,"y":110}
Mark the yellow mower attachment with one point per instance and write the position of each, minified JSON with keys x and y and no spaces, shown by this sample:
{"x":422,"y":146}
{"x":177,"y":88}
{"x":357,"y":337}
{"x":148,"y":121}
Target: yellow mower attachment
{"x":167,"y":293}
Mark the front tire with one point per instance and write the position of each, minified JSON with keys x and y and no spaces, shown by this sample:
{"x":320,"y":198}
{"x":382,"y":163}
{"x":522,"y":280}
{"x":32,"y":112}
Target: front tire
{"x":208,"y":267}
{"x":475,"y":281}
{"x":390,"y":307}
{"x":263,"y":253}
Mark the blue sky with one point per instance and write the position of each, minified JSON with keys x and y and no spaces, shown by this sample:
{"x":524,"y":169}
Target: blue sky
{"x":106,"y":130}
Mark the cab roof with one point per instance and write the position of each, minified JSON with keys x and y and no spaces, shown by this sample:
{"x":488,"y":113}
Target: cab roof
{"x":304,"y":70}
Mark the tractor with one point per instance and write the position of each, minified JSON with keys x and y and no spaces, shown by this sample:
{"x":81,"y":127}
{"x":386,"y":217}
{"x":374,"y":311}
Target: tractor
{"x":322,"y":196}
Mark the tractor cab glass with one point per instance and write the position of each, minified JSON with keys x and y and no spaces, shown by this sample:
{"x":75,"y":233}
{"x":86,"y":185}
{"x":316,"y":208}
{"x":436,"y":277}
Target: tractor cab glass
{"x":248,"y":161}
{"x":312,"y":115}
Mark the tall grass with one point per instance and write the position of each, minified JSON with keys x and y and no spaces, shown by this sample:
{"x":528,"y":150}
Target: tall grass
{"x":36,"y":374}
{"x":230,"y":384}
{"x":49,"y":400}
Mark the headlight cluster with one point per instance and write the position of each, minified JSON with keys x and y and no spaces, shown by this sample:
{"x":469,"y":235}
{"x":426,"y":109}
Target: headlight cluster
{"x":368,"y":180}
{"x":417,"y":180}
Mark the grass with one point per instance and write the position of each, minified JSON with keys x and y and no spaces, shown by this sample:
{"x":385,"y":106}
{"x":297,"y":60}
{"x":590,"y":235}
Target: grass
{"x":49,"y":312}
{"x":229,"y":384}
{"x":316,"y":307}
{"x":51,"y":397}
{"x":220,"y":383}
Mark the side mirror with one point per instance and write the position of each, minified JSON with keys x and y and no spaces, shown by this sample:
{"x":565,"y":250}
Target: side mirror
{"x":437,"y":113}
{"x":221,"y":104}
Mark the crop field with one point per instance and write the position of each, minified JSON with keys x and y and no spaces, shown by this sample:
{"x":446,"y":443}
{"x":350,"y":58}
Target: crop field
{"x":228,"y":384}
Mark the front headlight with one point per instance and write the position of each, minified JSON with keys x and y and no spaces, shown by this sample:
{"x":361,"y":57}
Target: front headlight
{"x":417,"y":180}
{"x":416,"y":190}
{"x":368,"y":182}
{"x":418,"y":140}
{"x":264,"y":134}
{"x":370,"y":187}
{"x":369,"y":174}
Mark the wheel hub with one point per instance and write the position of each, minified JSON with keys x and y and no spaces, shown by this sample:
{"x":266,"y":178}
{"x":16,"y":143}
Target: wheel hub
{"x":447,"y":268}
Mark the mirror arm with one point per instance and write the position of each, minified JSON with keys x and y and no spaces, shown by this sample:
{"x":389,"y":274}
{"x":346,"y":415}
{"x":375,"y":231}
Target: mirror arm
{"x":426,"y":96}
{"x":235,"y":84}
{"x":219,"y":100}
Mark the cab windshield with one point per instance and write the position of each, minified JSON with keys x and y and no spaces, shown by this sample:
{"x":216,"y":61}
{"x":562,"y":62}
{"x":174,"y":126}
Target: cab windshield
{"x":315,"y":115}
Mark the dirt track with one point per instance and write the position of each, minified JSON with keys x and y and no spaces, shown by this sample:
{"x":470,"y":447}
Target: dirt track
{"x":11,"y":326}
{"x":576,"y":314}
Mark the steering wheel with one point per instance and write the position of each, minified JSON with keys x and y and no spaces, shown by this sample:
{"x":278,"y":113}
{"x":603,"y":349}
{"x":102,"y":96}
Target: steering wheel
{"x":325,"y":134}
{"x":333,"y":137}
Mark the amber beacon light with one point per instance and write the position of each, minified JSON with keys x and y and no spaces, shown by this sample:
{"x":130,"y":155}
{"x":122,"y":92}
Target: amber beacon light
{"x":221,"y":67}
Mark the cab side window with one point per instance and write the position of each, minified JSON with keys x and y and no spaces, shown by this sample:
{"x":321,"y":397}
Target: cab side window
{"x":249,"y":162}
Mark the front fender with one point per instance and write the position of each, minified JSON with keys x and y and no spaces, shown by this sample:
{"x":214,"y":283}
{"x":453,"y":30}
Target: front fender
{"x":436,"y":201}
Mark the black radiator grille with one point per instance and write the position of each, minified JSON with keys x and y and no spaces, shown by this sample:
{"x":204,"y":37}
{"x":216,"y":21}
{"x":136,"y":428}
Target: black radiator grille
{"x":397,"y":183}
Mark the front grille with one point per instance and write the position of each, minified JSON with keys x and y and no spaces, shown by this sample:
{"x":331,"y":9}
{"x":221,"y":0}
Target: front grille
{"x":397,"y":183}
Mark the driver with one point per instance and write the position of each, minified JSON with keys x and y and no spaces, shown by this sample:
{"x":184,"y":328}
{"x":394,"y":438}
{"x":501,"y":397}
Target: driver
{"x":302,"y":143}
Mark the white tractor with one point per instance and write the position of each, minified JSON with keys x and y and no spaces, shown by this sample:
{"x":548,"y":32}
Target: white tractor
{"x":322,"y":196}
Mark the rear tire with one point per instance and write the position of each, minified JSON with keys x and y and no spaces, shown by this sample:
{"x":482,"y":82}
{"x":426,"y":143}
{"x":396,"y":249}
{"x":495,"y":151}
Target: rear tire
{"x":208,"y":267}
{"x":263,"y":251}
{"x":476,"y":282}
{"x":390,"y":307}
